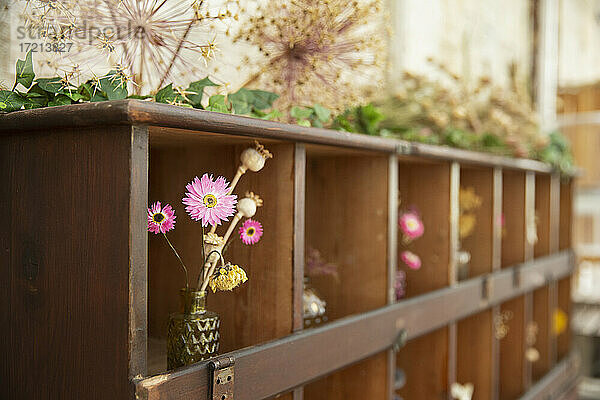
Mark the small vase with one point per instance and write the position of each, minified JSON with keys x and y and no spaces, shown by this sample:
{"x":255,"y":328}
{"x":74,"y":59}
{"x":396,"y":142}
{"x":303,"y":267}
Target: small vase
{"x":193,"y":333}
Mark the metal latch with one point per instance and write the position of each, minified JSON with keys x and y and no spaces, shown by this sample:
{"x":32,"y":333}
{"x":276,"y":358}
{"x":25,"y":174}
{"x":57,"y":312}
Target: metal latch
{"x":222,"y":378}
{"x":400,"y":340}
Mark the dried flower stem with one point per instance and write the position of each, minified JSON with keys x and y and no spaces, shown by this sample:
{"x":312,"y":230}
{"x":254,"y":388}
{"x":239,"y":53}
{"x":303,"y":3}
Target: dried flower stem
{"x":236,"y":178}
{"x":204,"y":278}
{"x":180,"y":260}
{"x":212,"y":264}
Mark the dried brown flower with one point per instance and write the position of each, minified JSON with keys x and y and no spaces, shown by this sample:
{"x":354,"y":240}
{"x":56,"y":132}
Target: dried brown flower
{"x":152,"y":40}
{"x":318,"y":51}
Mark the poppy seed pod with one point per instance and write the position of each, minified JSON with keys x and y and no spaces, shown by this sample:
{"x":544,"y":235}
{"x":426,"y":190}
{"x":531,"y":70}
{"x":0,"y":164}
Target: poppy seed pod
{"x":247,"y":207}
{"x":254,"y":158}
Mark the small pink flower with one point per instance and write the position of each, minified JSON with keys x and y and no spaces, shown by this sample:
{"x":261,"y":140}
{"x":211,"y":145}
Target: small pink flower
{"x":209,"y":201}
{"x":411,"y":225}
{"x":412,"y":260}
{"x":251,"y":231}
{"x":160,"y":219}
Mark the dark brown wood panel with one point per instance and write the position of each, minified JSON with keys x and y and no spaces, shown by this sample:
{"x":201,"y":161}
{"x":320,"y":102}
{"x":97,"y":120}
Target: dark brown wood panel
{"x":566,"y":215}
{"x":365,"y":380}
{"x":259,"y":310}
{"x":346,"y":205}
{"x":66,"y":196}
{"x":424,"y":361}
{"x":543,"y":214}
{"x":513,"y":209}
{"x":474,"y":361}
{"x":512,"y":349}
{"x":541,"y":317}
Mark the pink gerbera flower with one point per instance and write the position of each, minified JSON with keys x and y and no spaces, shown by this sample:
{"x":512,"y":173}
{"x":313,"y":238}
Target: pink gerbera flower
{"x":251,"y":231}
{"x":160,"y":219}
{"x":209,"y":201}
{"x":411,"y":225}
{"x":412,"y":260}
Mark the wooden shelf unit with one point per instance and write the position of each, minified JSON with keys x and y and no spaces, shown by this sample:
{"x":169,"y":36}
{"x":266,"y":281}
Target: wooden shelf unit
{"x":94,"y":289}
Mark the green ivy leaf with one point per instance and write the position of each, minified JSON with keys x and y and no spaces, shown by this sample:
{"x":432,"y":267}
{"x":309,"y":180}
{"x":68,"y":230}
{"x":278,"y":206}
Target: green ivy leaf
{"x":304,"y":122}
{"x":322,"y":113}
{"x":301,"y":112}
{"x":262,"y":99}
{"x":25,"y":74}
{"x":113,"y":87}
{"x":60,"y":100}
{"x":217,"y":103}
{"x":50,"y":85}
{"x":166,"y":95}
{"x":241,"y":101}
{"x":196,"y":91}
{"x":10,"y":101}
{"x":273,"y":114}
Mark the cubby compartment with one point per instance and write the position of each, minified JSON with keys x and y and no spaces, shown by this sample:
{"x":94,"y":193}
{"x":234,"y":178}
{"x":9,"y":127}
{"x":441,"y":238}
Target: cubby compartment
{"x":512,"y":375}
{"x":367,"y":379}
{"x":425,"y":188}
{"x":476,"y":222}
{"x":474,"y":351}
{"x":546,"y":220}
{"x":562,"y":313}
{"x":260,"y":309}
{"x":347,"y":224}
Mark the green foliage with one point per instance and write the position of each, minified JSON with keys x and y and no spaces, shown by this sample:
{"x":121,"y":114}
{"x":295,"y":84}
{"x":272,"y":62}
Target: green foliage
{"x":253,"y":102}
{"x":362,"y":119}
{"x":113,"y":86}
{"x":195,"y":91}
{"x":10,"y":101}
{"x":558,"y":153}
{"x":24,"y":71}
{"x":316,"y":116}
{"x":218,"y":103}
{"x":57,"y":91}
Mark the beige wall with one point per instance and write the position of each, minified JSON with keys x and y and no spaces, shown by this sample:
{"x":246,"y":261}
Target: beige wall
{"x":579,"y":43}
{"x":472,"y":37}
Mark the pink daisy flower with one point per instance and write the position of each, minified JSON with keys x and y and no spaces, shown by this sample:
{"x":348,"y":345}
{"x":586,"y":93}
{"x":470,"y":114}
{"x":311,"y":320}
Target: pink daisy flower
{"x":209,"y":201}
{"x":251,"y":231}
{"x":160,"y":219}
{"x":412,"y":260}
{"x":411,"y":225}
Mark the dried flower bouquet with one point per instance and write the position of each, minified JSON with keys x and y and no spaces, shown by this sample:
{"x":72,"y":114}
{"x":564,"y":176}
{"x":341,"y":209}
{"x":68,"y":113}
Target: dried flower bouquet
{"x":211,"y":202}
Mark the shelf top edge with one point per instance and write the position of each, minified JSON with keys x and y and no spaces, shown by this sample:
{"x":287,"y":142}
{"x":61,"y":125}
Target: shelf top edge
{"x":137,"y":112}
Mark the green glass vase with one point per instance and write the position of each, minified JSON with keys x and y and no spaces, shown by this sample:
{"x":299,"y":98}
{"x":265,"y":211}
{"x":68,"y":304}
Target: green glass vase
{"x":193,"y":333}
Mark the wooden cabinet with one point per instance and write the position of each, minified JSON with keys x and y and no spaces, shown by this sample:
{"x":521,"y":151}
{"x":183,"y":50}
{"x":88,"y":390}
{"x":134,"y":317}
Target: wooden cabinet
{"x":86,"y":292}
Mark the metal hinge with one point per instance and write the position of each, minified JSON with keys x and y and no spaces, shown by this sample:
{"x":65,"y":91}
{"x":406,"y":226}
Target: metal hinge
{"x":222,"y":378}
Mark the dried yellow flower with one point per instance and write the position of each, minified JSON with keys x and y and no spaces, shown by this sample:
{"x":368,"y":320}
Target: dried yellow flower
{"x":227,"y":277}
